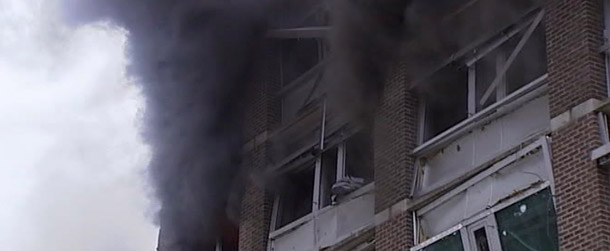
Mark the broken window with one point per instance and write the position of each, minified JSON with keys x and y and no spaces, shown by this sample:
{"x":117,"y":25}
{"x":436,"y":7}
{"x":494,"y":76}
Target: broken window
{"x":498,"y":68}
{"x":298,"y":75}
{"x":298,"y":56}
{"x":329,"y":175}
{"x":452,"y":242}
{"x":295,"y":199}
{"x":343,"y":168}
{"x":446,"y":100}
{"x":359,"y":157}
{"x":530,"y":63}
{"x":530,"y":224}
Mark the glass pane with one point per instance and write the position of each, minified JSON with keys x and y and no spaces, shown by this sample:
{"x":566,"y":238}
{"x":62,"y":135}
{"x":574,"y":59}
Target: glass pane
{"x":452,"y":242}
{"x":529,"y":225}
{"x":480,"y":237}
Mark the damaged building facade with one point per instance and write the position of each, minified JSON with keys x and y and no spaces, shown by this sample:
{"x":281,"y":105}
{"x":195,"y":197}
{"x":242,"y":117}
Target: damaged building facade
{"x":494,"y":138}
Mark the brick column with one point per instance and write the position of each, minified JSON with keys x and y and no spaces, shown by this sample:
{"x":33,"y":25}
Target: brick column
{"x":576,"y":73}
{"x":261,"y":117}
{"x":394,"y":139}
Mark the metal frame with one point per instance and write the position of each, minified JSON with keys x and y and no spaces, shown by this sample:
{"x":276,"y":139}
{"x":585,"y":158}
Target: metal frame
{"x":513,"y":56}
{"x":316,"y":205}
{"x":520,"y":96}
{"x":542,"y":144}
{"x":484,"y":174}
{"x":489,"y":214}
{"x":499,"y":82}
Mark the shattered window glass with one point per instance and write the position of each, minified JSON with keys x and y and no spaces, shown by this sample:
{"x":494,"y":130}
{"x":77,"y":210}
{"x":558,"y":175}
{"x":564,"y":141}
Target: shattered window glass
{"x":529,"y":225}
{"x":452,"y":242}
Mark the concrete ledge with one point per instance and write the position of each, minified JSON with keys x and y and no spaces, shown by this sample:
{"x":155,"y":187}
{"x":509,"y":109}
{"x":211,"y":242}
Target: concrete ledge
{"x":576,"y":112}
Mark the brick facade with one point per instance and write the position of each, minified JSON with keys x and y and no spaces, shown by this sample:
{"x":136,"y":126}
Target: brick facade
{"x":261,"y":115}
{"x":394,"y":138}
{"x":576,"y":68}
{"x":576,"y":73}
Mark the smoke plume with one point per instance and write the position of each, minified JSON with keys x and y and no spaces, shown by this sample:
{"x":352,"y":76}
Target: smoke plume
{"x":191,"y":59}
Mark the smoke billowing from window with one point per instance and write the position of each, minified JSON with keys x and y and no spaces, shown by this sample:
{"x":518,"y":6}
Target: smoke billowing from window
{"x":193,"y":58}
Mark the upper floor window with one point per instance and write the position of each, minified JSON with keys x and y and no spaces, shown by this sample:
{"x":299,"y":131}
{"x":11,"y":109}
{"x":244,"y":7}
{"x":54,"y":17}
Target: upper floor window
{"x":474,"y":82}
{"x":300,"y":84}
{"x":336,"y":172}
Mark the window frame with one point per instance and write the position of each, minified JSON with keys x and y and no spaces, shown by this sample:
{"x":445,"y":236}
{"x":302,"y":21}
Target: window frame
{"x":317,"y":205}
{"x":487,"y":216}
{"x":528,"y":25}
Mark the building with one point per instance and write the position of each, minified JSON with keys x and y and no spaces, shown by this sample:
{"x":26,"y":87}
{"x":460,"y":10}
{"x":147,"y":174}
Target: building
{"x":498,"y":141}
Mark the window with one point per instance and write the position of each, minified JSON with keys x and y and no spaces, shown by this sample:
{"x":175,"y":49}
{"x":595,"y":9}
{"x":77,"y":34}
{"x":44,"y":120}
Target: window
{"x":446,"y":100}
{"x":300,"y":86}
{"x":530,"y":224}
{"x":496,"y":69}
{"x":526,"y":225}
{"x":343,"y":168}
{"x":296,"y":197}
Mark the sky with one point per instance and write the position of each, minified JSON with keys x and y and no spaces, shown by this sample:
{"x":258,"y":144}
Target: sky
{"x":72,"y":162}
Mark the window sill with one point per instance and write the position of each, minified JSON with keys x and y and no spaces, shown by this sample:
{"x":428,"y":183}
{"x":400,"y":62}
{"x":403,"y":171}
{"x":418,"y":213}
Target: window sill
{"x":369,"y":188}
{"x":498,"y":109}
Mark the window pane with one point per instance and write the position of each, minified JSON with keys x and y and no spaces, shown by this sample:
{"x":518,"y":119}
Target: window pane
{"x":446,"y":98}
{"x":296,"y":197}
{"x":529,"y":224}
{"x":452,"y":242}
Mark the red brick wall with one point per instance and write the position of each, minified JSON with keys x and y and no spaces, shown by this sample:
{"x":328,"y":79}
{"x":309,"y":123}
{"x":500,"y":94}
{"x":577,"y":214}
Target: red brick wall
{"x":576,"y":73}
{"x":574,"y":32}
{"x":261,"y":115}
{"x":394,"y":139}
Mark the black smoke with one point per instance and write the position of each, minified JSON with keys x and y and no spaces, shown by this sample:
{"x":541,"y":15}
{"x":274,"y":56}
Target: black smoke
{"x":192,"y":60}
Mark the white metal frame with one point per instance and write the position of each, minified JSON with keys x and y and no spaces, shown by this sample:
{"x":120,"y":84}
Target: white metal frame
{"x":489,"y":215}
{"x":316,"y":203}
{"x":542,"y":144}
{"x":499,"y":82}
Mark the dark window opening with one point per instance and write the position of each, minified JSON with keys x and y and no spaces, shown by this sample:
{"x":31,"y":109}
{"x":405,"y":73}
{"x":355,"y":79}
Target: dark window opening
{"x":530,"y":63}
{"x":297,"y":57}
{"x":359,"y":157}
{"x":446,"y":97}
{"x":485,"y":70}
{"x":329,"y":175}
{"x":480,"y":237}
{"x":296,"y":197}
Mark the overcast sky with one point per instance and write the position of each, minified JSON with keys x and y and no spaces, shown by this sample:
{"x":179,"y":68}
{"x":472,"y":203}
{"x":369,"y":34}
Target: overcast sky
{"x":72,"y":165}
